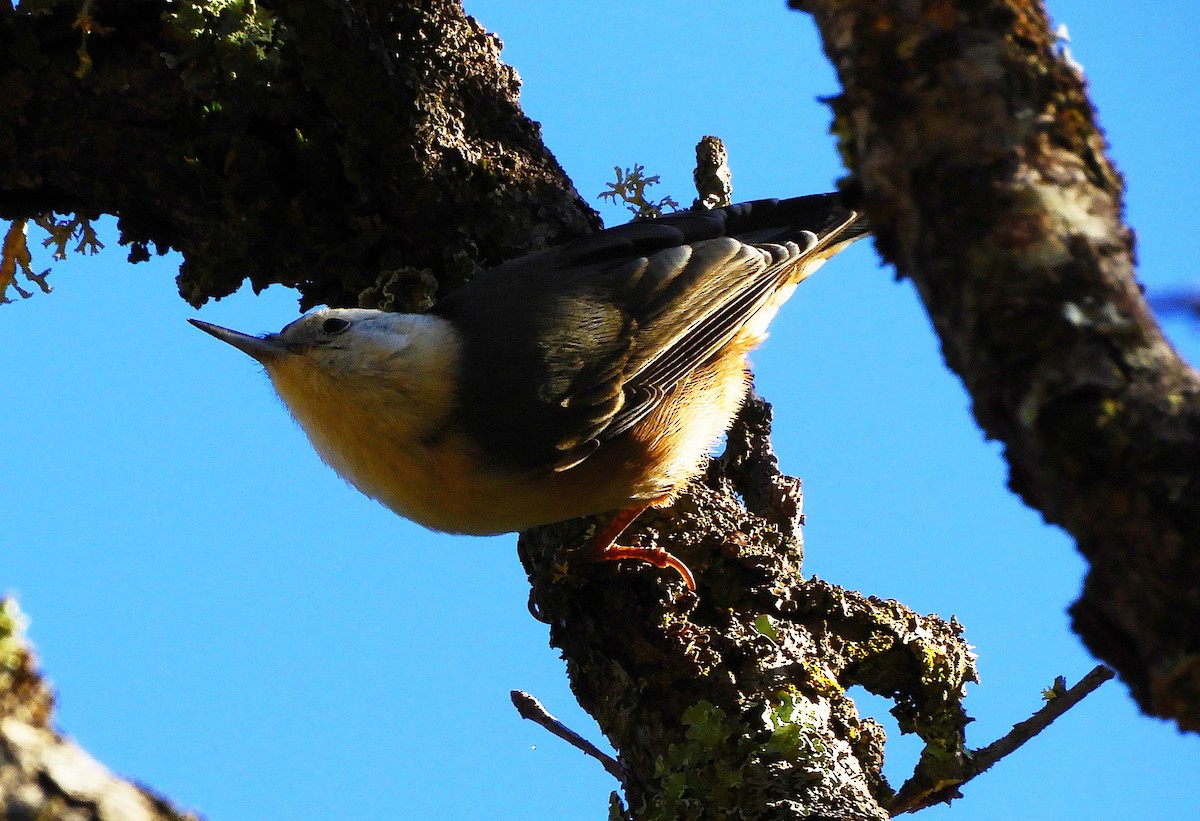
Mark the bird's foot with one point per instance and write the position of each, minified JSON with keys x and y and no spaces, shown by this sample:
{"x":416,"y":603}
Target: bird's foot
{"x":603,"y":546}
{"x":655,"y":556}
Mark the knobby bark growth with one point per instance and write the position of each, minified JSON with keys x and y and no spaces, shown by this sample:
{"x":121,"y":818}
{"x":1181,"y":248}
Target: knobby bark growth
{"x":374,"y":153}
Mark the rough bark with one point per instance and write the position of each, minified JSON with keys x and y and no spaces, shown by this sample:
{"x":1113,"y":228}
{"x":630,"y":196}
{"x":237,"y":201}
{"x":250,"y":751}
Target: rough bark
{"x":732,"y":702}
{"x":336,"y":147}
{"x":374,"y":152}
{"x":974,"y":147}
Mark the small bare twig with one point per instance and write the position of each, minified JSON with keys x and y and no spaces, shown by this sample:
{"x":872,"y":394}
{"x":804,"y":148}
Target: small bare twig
{"x":530,"y":708}
{"x":1059,"y":699}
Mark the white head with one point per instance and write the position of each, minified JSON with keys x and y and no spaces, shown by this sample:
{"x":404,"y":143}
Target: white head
{"x":335,"y":364}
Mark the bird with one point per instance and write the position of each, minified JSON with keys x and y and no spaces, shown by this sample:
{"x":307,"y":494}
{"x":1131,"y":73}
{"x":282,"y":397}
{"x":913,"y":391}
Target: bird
{"x":589,"y":378}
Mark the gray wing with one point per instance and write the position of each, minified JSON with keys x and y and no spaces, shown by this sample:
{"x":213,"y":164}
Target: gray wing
{"x":706,"y":297}
{"x":567,"y":349}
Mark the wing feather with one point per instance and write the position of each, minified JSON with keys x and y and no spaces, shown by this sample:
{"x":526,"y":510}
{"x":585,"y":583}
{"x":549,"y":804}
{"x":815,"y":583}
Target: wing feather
{"x":570,"y":348}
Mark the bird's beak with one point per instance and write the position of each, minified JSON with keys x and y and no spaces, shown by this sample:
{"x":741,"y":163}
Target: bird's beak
{"x":264,"y":349}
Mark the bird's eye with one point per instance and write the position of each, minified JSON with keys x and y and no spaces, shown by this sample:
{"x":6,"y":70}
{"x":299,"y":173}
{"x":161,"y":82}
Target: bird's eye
{"x":334,"y":326}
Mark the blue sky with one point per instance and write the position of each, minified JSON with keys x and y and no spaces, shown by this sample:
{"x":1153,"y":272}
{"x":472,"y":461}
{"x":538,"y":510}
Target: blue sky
{"x":229,"y":622}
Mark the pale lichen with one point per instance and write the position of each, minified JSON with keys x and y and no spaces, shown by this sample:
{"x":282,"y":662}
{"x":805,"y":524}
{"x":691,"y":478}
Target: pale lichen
{"x":16,"y":255}
{"x":630,"y":191}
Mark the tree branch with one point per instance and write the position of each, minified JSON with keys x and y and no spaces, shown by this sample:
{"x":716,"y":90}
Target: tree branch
{"x":927,"y":788}
{"x":736,"y":697}
{"x":311,"y":144}
{"x":1061,"y":699}
{"x":532,"y":710}
{"x":975,"y":149}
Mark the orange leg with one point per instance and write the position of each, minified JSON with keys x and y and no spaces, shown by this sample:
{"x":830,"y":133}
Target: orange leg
{"x":603,"y":546}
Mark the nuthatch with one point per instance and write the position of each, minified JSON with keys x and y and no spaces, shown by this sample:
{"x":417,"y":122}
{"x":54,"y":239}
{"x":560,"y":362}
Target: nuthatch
{"x":591,"y":377}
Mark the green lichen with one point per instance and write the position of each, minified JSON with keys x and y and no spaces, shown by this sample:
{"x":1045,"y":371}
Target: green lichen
{"x":24,"y":696}
{"x":764,"y":625}
{"x":223,"y":41}
{"x":15,"y":256}
{"x":695,"y":772}
{"x":238,"y":23}
{"x":616,"y":809}
{"x":821,"y":678}
{"x":12,"y":637}
{"x":722,"y":756}
{"x":692,"y":770}
{"x":60,"y":233}
{"x":795,"y":730}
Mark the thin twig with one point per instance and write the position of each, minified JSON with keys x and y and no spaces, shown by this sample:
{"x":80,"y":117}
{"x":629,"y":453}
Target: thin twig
{"x":1062,"y":700}
{"x":530,"y":708}
{"x":921,"y":791}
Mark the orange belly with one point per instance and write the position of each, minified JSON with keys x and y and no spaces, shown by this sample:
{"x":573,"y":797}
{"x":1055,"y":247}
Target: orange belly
{"x":438,"y":482}
{"x":653,"y":460}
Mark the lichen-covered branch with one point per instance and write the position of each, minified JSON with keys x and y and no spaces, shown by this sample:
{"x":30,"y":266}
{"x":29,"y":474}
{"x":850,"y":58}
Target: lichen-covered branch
{"x":333,"y":146}
{"x":975,"y":150}
{"x":733,"y":702}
